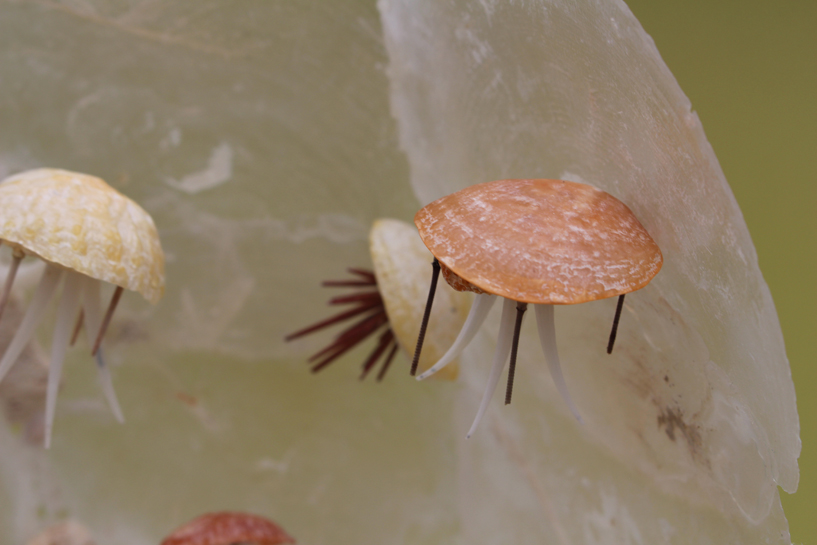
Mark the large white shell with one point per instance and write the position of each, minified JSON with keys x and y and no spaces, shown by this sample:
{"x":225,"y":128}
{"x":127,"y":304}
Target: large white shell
{"x":402,"y":265}
{"x":696,"y":405}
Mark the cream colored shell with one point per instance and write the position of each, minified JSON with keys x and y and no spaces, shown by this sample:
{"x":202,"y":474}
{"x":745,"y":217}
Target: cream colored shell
{"x":80,"y":222}
{"x":402,"y":266}
{"x":540,"y":241}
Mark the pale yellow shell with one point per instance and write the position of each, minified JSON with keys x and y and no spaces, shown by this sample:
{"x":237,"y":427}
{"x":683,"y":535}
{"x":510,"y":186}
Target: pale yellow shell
{"x":80,"y":222}
{"x":402,"y":266}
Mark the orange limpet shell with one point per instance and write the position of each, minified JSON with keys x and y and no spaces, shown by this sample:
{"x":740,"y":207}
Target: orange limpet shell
{"x":228,"y":528}
{"x":540,"y":241}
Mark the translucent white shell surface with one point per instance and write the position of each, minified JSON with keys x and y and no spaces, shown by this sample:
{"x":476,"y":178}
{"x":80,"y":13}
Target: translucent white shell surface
{"x":80,"y":222}
{"x":402,"y":265}
{"x":695,"y":408}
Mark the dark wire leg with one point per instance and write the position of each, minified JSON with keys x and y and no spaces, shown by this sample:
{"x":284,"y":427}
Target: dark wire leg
{"x":107,"y":319}
{"x":77,"y":327}
{"x":435,"y":276}
{"x":520,"y":313}
{"x":612,"y":340}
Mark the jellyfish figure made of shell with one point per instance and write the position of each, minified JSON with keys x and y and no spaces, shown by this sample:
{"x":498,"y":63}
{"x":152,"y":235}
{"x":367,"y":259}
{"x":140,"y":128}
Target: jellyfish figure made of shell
{"x":540,"y":242}
{"x":87,"y":233}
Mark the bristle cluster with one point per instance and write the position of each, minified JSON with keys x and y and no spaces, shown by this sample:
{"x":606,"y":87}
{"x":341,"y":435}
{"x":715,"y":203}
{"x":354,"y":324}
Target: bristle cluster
{"x":368,"y":307}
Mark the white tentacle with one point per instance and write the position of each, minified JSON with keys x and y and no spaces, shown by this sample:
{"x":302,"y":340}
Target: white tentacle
{"x":66,"y":312}
{"x":33,"y":316}
{"x":547,"y":336}
{"x":476,"y":316}
{"x":93,"y":316}
{"x":501,"y":353}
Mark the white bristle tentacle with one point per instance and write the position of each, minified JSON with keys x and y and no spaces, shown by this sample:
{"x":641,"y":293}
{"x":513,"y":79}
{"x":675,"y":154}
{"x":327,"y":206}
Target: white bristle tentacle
{"x":501,"y":353}
{"x":547,"y":336}
{"x":106,"y":382}
{"x":34,"y":314}
{"x":93,"y":315}
{"x":66,"y":312}
{"x":479,"y":311}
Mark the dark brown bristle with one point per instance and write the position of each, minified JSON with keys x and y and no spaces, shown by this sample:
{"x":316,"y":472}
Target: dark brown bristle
{"x":369,"y":307}
{"x":382,"y":344}
{"x":337,"y":318}
{"x":435,"y":275}
{"x":613,"y":333}
{"x":107,"y":319}
{"x":387,"y":362}
{"x":367,"y":296}
{"x":354,"y":334}
{"x":354,"y":337}
{"x":520,"y":313}
{"x":346,"y":283}
{"x":368,"y":275}
{"x":77,"y":327}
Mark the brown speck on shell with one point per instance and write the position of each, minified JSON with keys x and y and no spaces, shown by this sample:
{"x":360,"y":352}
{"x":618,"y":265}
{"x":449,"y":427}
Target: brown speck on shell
{"x":228,"y":528}
{"x":540,"y":241}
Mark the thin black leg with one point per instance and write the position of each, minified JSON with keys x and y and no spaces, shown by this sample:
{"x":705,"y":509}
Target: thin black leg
{"x":520,"y":313}
{"x":612,"y":340}
{"x":435,"y":276}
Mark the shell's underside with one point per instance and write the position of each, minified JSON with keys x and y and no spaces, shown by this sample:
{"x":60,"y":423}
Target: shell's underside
{"x":80,"y":222}
{"x":540,"y":241}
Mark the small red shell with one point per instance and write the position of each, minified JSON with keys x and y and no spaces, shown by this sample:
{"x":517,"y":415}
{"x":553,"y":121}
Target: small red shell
{"x":540,"y":241}
{"x":228,"y":528}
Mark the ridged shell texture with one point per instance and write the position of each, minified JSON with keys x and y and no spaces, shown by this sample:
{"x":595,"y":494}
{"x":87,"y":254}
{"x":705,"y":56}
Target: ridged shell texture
{"x":80,"y":222}
{"x":540,"y":241}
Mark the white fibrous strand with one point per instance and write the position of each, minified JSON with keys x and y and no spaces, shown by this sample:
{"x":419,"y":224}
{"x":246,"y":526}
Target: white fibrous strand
{"x":479,"y":311}
{"x":34,"y":314}
{"x":66,"y":312}
{"x":503,"y":349}
{"x":91,"y":304}
{"x":80,"y":295}
{"x":547,"y":336}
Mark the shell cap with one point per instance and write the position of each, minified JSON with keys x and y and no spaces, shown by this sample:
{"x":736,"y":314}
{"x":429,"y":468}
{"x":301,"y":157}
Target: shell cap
{"x":540,"y":241}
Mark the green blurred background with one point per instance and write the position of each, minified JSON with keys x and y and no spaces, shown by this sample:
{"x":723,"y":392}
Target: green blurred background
{"x":750,"y":70}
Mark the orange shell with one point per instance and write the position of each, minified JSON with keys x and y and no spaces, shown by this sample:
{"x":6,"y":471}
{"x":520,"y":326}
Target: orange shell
{"x":228,"y":528}
{"x":80,"y":222}
{"x":540,"y":241}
